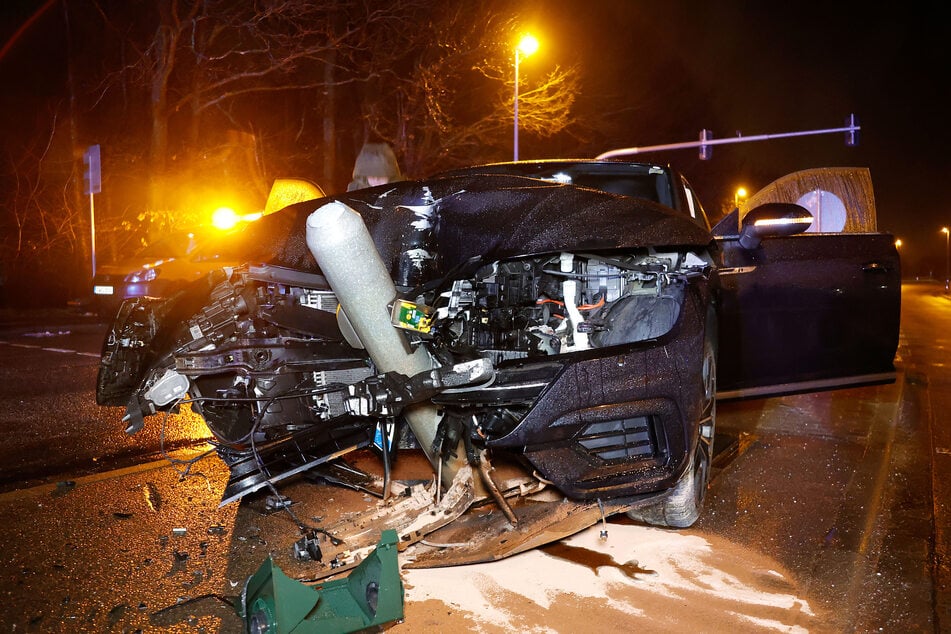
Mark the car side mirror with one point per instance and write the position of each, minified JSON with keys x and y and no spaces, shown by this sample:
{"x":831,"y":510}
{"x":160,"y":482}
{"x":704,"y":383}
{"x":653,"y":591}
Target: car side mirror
{"x":773,"y":220}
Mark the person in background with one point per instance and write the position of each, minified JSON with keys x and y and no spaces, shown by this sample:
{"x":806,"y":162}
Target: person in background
{"x":375,"y":165}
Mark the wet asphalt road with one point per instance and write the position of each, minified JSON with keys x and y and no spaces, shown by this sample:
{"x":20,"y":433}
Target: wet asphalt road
{"x":845,"y":491}
{"x":52,"y":424}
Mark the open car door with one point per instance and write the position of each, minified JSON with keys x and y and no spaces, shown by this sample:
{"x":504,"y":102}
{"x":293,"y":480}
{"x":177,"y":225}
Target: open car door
{"x":815,"y":309}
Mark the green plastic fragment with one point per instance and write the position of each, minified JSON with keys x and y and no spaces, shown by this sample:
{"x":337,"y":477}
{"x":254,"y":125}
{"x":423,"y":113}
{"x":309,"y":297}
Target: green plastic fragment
{"x":370,"y":596}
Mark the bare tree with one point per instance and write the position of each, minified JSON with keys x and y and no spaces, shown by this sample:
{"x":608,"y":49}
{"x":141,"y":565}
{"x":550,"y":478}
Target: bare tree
{"x":183,"y":94}
{"x":456,"y":105}
{"x":424,"y":75}
{"x":215,"y":65}
{"x":42,"y":230}
{"x":192,"y":92}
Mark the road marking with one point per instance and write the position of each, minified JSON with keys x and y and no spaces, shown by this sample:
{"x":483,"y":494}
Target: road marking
{"x":45,"y":489}
{"x":61,"y":350}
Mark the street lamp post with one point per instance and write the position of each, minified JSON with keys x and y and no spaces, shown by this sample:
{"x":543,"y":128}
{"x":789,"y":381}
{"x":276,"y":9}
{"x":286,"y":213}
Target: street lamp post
{"x":947,"y":257}
{"x":527,"y":46}
{"x":740,"y":194}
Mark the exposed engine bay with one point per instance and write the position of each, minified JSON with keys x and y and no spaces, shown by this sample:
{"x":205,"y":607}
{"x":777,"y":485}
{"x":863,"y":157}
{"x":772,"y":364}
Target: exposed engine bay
{"x":268,"y":359}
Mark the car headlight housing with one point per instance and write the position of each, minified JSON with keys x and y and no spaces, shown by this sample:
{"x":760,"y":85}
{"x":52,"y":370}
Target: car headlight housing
{"x":143,"y":275}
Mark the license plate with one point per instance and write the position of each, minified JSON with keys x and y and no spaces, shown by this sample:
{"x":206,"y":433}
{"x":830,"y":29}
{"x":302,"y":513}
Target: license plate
{"x":103,"y":290}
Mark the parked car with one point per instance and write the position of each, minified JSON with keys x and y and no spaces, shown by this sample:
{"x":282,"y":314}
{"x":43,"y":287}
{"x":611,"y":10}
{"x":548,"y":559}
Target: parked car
{"x":170,"y":263}
{"x":524,"y":314}
{"x":164,"y":266}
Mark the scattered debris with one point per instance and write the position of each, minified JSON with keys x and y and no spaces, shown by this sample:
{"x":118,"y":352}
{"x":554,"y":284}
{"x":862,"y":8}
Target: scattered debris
{"x":307,"y":548}
{"x":216,"y":529}
{"x":152,"y":497}
{"x":179,"y":563}
{"x":276,"y":502}
{"x":197,"y":577}
{"x":831,"y":537}
{"x":63,"y":487}
{"x":179,"y":531}
{"x":116,"y":613}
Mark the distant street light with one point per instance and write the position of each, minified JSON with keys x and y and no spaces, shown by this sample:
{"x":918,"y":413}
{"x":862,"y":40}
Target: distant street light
{"x":898,"y":243}
{"x":739,"y":195}
{"x":526,"y":46}
{"x":947,"y":257}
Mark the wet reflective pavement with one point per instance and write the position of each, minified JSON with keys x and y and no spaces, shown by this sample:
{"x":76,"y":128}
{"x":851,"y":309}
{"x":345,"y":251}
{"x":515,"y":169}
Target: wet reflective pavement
{"x":828,"y":512}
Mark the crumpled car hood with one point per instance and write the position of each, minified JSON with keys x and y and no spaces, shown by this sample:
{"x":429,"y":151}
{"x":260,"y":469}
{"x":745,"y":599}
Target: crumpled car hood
{"x":485,"y":218}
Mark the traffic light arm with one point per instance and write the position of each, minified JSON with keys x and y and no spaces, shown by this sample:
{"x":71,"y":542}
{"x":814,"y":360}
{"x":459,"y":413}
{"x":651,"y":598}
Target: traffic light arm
{"x":850,"y":130}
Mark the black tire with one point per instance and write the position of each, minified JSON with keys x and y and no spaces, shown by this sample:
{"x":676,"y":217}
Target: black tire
{"x":680,"y":507}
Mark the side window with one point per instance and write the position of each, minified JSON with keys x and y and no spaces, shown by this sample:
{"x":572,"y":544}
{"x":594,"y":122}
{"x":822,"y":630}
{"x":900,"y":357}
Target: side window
{"x":694,"y":208}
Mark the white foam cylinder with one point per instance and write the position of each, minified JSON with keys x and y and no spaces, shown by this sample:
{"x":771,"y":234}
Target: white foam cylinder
{"x":339,"y":241}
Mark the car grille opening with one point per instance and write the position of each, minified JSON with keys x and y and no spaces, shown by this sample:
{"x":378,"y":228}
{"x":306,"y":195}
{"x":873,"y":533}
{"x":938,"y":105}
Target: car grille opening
{"x":623,"y":439}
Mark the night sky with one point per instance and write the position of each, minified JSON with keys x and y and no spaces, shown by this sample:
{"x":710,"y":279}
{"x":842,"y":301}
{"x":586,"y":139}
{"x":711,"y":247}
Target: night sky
{"x":669,"y":69}
{"x":768,"y":67}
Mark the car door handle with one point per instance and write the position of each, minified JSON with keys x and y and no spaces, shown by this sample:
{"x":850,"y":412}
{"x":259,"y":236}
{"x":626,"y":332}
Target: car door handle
{"x":737,"y":270}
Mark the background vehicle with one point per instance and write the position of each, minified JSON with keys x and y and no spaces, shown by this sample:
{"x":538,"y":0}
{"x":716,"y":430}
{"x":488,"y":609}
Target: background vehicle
{"x":170,"y":263}
{"x":165,"y":266}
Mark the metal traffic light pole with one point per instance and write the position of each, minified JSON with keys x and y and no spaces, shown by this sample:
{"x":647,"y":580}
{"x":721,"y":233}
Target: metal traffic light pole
{"x":707,"y":141}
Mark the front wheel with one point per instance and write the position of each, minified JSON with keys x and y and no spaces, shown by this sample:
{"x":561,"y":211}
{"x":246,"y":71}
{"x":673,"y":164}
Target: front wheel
{"x":681,"y":506}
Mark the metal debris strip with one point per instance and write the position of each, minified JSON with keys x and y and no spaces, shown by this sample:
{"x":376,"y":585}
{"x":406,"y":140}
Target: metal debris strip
{"x":413,"y":515}
{"x":483,"y":535}
{"x":458,"y":527}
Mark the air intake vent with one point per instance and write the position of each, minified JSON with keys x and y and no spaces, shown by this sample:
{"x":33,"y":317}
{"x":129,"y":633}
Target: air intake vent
{"x":622,"y":439}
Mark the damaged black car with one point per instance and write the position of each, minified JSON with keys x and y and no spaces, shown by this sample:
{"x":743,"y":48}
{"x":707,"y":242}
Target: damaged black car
{"x":577,"y":319}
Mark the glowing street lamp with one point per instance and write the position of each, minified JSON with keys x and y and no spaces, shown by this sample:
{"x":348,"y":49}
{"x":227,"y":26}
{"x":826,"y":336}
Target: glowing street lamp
{"x":947,"y":257}
{"x":739,"y":195}
{"x":526,"y":46}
